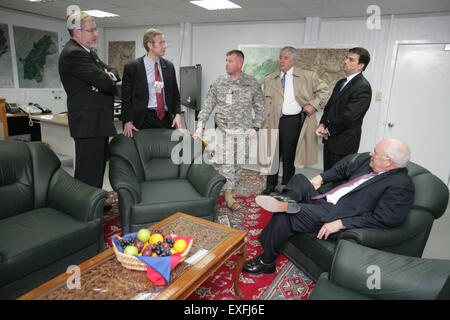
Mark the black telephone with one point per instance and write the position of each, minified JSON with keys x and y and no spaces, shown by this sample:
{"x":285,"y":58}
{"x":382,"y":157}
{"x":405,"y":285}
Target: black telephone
{"x":12,"y":108}
{"x":44,"y":109}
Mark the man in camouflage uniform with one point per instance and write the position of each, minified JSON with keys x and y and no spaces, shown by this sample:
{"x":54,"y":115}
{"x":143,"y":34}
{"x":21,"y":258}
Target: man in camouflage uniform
{"x":233,"y":96}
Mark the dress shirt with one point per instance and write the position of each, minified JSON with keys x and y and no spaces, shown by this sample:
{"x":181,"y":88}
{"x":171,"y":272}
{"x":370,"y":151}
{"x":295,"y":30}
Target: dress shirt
{"x":290,"y":105}
{"x":335,"y":196}
{"x":349,"y":78}
{"x":150,"y":72}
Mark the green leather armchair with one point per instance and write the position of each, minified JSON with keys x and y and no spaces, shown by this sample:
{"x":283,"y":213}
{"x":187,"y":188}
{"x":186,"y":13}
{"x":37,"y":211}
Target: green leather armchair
{"x":361,"y":273}
{"x":314,"y":256}
{"x":151,"y":186}
{"x":48,"y":220}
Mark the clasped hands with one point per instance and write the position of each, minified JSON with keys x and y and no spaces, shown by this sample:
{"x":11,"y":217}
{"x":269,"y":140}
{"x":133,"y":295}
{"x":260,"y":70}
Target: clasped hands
{"x":322,"y":132}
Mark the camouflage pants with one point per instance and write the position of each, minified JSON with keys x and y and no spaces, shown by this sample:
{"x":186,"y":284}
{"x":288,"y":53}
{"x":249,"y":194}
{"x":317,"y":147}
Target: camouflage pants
{"x":232,"y":153}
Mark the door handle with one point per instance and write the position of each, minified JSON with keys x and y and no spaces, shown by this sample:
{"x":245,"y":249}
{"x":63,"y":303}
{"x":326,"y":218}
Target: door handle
{"x":390,"y":124}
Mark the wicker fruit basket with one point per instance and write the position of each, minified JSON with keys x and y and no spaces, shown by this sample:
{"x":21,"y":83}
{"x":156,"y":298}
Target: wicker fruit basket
{"x":133,"y":263}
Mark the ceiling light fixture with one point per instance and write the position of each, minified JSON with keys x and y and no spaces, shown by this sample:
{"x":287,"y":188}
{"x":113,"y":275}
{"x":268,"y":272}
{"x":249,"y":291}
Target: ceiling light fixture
{"x":100,"y":14}
{"x":216,"y":4}
{"x":40,"y":0}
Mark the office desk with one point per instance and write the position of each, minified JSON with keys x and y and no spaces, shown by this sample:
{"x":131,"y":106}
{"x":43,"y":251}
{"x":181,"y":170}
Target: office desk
{"x":19,"y":127}
{"x":55,"y":131}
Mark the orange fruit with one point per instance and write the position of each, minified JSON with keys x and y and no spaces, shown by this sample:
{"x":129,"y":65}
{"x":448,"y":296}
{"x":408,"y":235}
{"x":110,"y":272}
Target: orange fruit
{"x":180,"y":245}
{"x":155,"y":238}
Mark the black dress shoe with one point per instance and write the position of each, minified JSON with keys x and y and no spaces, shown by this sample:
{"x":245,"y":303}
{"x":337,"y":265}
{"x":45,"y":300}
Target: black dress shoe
{"x":259,"y":266}
{"x":268,"y":190}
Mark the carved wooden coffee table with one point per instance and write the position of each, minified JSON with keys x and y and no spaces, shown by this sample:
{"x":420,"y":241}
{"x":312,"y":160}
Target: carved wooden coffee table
{"x":104,"y":278}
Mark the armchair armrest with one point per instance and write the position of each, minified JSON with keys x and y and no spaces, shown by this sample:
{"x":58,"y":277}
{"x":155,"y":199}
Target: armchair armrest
{"x":122,"y":176}
{"x":417,"y":222}
{"x":74,"y":197}
{"x":385,"y":275}
{"x":205,"y":179}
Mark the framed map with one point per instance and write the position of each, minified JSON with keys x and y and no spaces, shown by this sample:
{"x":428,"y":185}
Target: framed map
{"x":326,"y":62}
{"x":119,"y":53}
{"x":6,"y":74}
{"x":36,"y":58}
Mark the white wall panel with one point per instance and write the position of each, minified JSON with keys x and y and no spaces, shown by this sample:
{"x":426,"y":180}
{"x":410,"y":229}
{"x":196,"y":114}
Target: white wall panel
{"x":212,"y":41}
{"x":354,"y":32}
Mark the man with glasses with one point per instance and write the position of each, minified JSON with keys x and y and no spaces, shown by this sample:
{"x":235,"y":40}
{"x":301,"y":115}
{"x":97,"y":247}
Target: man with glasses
{"x":150,"y":96}
{"x":378,"y":194}
{"x":90,"y":85}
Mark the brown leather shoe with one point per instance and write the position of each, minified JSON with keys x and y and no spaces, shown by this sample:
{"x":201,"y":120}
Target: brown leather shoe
{"x":278,"y":204}
{"x":230,"y":200}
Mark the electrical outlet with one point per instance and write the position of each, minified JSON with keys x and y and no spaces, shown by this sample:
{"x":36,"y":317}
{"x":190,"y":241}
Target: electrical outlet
{"x":378,"y":96}
{"x":57,"y":95}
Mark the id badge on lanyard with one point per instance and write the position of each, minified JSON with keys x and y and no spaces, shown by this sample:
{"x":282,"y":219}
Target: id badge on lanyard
{"x":159,"y":85}
{"x":229,"y":98}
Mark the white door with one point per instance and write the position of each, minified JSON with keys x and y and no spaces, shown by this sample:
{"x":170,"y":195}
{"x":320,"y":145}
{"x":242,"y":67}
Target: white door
{"x":419,"y":105}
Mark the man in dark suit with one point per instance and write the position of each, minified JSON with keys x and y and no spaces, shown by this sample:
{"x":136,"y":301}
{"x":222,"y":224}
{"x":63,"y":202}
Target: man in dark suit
{"x":150,"y":96}
{"x":340,"y":125}
{"x":90,"y":87}
{"x":379,"y":194}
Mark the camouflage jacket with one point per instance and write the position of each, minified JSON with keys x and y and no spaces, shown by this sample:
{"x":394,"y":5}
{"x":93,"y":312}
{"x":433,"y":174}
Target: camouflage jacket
{"x":233,"y":101}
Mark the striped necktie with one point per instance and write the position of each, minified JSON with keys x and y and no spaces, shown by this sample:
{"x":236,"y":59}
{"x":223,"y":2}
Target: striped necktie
{"x":364,"y":176}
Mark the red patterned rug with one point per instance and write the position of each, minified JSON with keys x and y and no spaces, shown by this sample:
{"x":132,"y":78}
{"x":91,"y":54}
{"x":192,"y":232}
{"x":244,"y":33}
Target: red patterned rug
{"x":287,"y":283}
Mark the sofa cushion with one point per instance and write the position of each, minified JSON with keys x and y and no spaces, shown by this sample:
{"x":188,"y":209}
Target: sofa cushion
{"x":163,"y":192}
{"x":35,"y":239}
{"x":320,"y":250}
{"x":16,"y":181}
{"x":324,"y":289}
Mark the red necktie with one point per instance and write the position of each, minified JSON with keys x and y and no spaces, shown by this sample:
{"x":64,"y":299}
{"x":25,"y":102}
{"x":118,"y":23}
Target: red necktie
{"x":159,"y":96}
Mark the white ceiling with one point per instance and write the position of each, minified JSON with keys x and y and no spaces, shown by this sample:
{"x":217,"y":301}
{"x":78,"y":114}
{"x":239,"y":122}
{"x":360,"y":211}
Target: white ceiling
{"x":163,"y":12}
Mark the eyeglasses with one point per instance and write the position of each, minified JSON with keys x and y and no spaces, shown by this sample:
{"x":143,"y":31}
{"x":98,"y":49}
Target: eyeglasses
{"x":376,"y":155}
{"x":90,"y":30}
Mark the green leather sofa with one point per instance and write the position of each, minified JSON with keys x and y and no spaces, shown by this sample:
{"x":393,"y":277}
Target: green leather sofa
{"x":314,"y":256}
{"x":48,"y":220}
{"x":362,"y":273}
{"x":151,"y":186}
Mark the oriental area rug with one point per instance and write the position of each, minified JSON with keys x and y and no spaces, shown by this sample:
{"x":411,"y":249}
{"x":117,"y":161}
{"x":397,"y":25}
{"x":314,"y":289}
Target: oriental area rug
{"x":287,"y":283}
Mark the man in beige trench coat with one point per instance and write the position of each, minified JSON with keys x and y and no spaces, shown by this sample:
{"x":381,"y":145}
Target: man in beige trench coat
{"x":292,"y":96}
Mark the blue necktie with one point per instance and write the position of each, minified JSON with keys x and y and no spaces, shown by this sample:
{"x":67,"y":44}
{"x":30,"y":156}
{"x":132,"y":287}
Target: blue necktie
{"x":283,"y":82}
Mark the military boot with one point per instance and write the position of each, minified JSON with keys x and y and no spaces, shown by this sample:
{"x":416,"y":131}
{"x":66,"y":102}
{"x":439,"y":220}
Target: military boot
{"x":230,"y":200}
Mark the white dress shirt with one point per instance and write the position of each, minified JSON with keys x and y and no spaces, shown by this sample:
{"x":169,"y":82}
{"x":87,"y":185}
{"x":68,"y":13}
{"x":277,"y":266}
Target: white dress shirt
{"x":335,"y":196}
{"x":290,"y":105}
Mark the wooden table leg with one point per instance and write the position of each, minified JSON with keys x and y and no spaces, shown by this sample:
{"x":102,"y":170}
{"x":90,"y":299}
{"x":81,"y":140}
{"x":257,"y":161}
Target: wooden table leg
{"x":241,"y":254}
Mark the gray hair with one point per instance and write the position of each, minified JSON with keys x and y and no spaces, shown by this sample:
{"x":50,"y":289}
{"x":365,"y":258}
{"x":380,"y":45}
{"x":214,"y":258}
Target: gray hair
{"x":292,"y":50}
{"x":81,"y":16}
{"x":398,"y":151}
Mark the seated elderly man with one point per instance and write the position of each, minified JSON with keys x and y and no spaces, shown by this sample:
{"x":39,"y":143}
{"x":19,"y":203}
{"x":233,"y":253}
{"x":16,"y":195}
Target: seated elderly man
{"x":379,"y":194}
